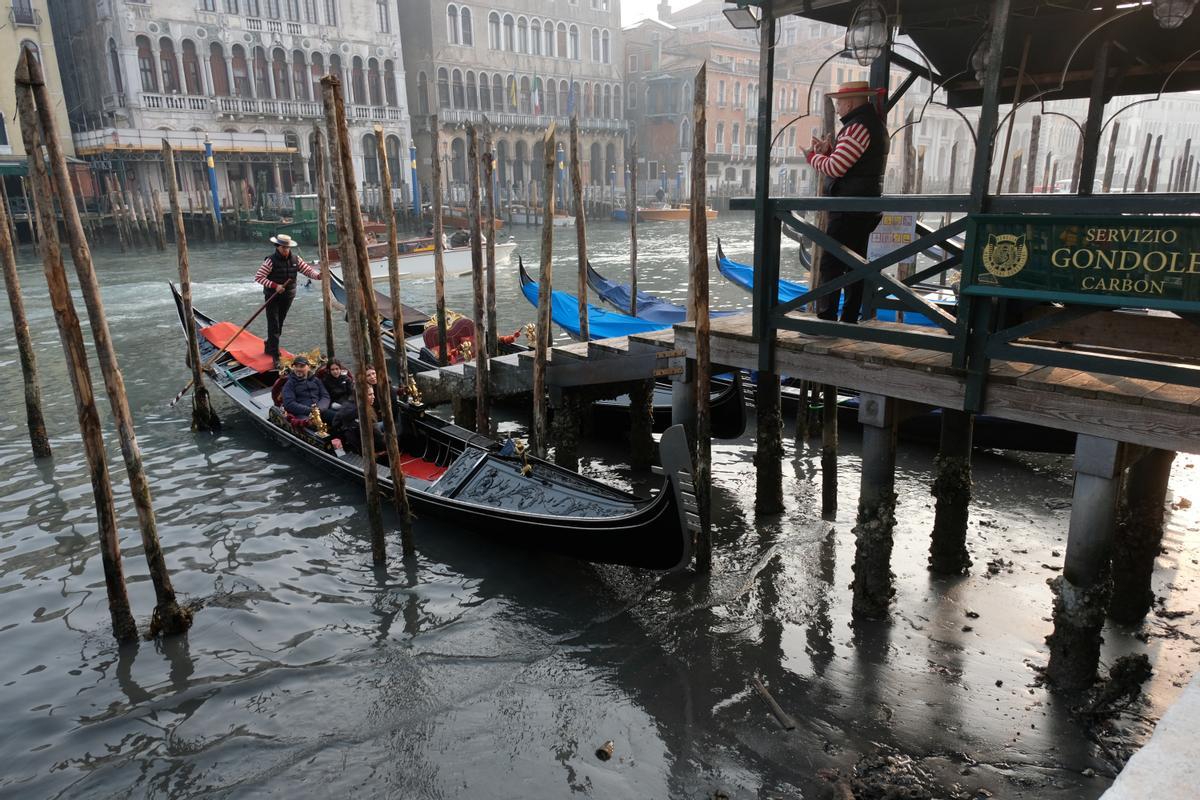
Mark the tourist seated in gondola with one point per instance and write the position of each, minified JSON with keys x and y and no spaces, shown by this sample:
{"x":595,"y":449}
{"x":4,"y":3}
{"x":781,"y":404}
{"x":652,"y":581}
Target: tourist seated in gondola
{"x":302,"y":392}
{"x":339,"y":383}
{"x":344,"y":427}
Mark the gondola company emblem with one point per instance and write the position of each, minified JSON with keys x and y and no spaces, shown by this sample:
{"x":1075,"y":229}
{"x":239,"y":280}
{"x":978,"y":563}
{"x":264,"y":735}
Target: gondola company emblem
{"x":1005,"y":254}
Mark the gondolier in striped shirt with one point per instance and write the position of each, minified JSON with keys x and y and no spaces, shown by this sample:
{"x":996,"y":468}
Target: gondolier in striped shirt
{"x":278,"y":278}
{"x":851,"y":166}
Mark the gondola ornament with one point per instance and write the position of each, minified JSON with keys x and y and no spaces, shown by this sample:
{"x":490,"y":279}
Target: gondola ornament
{"x":318,"y":424}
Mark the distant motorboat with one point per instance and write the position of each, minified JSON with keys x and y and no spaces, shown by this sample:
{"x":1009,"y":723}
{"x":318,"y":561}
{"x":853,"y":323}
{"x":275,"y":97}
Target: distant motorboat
{"x":521,"y":215}
{"x":674,"y":212}
{"x":419,"y":264}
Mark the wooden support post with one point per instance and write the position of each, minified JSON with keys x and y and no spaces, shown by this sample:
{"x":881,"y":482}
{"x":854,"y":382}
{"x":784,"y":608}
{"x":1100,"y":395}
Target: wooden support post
{"x":331,"y":97}
{"x":159,"y":232}
{"x":319,"y":161}
{"x":1110,"y":163}
{"x":1035,"y":145}
{"x":1181,"y":184}
{"x":952,"y":492}
{"x":1015,"y":174}
{"x":474,"y":212}
{"x":169,"y":617}
{"x":133,"y":201}
{"x":1139,"y":536}
{"x":631,"y":210}
{"x":124,"y":627}
{"x":489,"y":232}
{"x":439,"y":266}
{"x":580,"y":230}
{"x":641,"y":425}
{"x":38,"y":439}
{"x":1128,"y":175}
{"x":1082,"y":592}
{"x":768,"y":454}
{"x":542,"y":346}
{"x":389,"y":213}
{"x":698,"y":285}
{"x":872,"y":586}
{"x":802,"y":430}
{"x":829,"y":451}
{"x":204,"y":418}
{"x":566,"y":427}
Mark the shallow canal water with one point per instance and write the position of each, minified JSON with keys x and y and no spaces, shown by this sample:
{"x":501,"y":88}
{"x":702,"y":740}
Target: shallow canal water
{"x":479,"y":672}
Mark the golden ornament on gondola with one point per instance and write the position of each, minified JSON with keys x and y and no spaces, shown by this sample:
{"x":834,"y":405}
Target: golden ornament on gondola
{"x":318,"y":424}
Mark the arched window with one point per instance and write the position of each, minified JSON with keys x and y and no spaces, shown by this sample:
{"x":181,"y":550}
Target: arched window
{"x":524,"y":97}
{"x":561,"y":46}
{"x":564,"y":99}
{"x":458,"y":161}
{"x":538,"y":99}
{"x":485,"y":92}
{"x":574,"y":43}
{"x":604,"y":48}
{"x":422,"y":93}
{"x":359,"y":80}
{"x":395,"y":165}
{"x":685,"y":136}
{"x":595,"y":168}
{"x":468,"y":33}
{"x":510,"y":94}
{"x":170,"y":65}
{"x":335,"y":69}
{"x":522,"y":35}
{"x":241,"y":73}
{"x":472,"y":89}
{"x":193,"y":83}
{"x":318,"y":72}
{"x":596,"y":45}
{"x":262,"y":75}
{"x":115,"y":63}
{"x":586,"y":112}
{"x":737,"y":95}
{"x":300,"y":75}
{"x":733,"y":136}
{"x":498,"y":92}
{"x":443,"y":88}
{"x":550,"y":100}
{"x":374,"y":83}
{"x":279,"y":69}
{"x":370,"y":160}
{"x":521,"y":153}
{"x":502,"y":166}
{"x":618,"y":109}
{"x":510,"y":34}
{"x":535,"y":37}
{"x":548,"y":35}
{"x":389,"y":83}
{"x":494,"y":31}
{"x":146,"y":65}
{"x":457,"y":86}
{"x":607,"y":103}
{"x":721,"y":137}
{"x":452,"y":23}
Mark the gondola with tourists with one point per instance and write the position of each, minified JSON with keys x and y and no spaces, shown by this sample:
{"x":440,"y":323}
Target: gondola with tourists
{"x":468,"y":479}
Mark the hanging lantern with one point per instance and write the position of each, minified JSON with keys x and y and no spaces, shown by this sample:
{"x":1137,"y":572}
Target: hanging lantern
{"x":1171,"y":13}
{"x":981,"y":54}
{"x":867,"y":33}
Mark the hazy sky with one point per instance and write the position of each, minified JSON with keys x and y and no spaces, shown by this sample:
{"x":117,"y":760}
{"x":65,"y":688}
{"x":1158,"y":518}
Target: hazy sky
{"x":634,"y":10}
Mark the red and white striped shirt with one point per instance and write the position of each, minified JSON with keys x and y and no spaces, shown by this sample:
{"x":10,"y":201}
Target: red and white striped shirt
{"x":265,"y":270}
{"x":851,"y":143}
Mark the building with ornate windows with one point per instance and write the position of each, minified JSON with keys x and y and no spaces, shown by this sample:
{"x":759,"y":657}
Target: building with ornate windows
{"x":521,"y":64}
{"x":242,"y":73}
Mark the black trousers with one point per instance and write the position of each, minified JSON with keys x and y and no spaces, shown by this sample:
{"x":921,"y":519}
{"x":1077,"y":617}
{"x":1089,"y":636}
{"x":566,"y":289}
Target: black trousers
{"x":852,"y":230}
{"x":277,"y":311}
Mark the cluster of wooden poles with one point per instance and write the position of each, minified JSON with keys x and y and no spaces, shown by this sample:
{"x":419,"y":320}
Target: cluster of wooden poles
{"x":51,"y":183}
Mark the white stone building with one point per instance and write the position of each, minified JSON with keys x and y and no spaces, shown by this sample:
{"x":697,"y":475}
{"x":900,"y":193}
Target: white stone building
{"x":244,"y":73}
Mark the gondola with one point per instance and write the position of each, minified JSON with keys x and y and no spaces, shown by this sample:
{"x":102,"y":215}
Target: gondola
{"x":470,"y":480}
{"x":728,"y":409}
{"x":727,"y":402}
{"x":742,"y":275}
{"x":649,"y":307}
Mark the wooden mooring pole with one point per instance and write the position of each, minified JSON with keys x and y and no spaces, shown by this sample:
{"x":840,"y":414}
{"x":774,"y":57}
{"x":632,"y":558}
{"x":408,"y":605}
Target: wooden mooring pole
{"x":699,"y":312}
{"x":1110,"y":163}
{"x":489,"y":232}
{"x":38,"y":439}
{"x":542,"y":345}
{"x":952,"y":492}
{"x":204,"y":418}
{"x":482,"y":407}
{"x":169,"y":617}
{"x":319,"y":162}
{"x":876,"y":520}
{"x":1035,"y":146}
{"x":439,"y":267}
{"x":331,"y":97}
{"x":631,"y":210}
{"x":124,"y":627}
{"x":580,"y":230}
{"x":399,"y":354}
{"x":159,"y":229}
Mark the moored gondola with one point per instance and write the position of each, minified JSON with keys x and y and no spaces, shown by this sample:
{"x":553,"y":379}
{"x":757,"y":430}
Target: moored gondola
{"x":468,"y":479}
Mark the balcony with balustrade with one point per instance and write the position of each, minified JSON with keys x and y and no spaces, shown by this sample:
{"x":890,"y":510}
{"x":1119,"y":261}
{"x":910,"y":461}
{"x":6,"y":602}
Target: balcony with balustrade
{"x":205,"y":107}
{"x":535,"y":122}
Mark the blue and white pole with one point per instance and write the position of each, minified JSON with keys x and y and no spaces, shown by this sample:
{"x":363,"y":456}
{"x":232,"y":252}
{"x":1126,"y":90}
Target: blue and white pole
{"x":212,"y":178}
{"x":416,"y":187}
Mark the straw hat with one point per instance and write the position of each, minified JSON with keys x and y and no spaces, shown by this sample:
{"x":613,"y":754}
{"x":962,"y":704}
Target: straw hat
{"x":853,"y":89}
{"x":283,"y":240}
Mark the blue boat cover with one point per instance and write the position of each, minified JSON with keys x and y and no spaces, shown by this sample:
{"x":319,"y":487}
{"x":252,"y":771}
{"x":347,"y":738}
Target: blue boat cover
{"x":743,"y":275}
{"x":649,"y":307}
{"x":602,"y":324}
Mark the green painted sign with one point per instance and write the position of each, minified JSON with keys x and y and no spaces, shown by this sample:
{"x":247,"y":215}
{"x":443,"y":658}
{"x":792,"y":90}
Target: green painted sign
{"x":1150,"y":262}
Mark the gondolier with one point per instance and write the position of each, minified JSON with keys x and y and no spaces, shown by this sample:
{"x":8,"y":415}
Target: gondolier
{"x":852,"y":166}
{"x":278,"y":278}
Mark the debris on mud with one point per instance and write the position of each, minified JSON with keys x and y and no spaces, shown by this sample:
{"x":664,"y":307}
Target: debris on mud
{"x":890,"y":775}
{"x":1120,"y":688}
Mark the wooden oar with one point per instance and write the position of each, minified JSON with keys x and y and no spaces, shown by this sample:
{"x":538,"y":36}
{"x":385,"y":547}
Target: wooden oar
{"x":232,"y":339}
